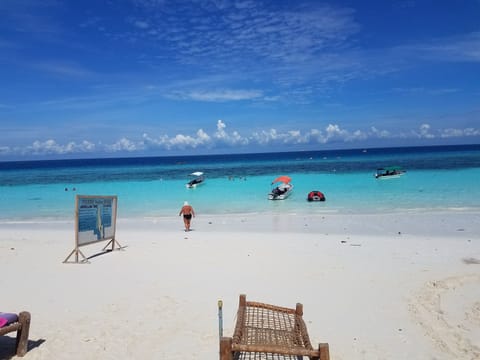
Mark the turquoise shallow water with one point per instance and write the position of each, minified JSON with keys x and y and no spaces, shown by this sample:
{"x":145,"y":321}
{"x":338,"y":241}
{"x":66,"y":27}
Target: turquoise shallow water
{"x":437,"y":178}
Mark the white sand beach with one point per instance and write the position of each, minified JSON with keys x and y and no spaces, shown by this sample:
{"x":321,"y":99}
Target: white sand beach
{"x":385,"y":286}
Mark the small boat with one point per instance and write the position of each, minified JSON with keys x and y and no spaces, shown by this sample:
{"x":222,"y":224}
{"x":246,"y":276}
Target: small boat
{"x":282,"y":188}
{"x":315,"y":196}
{"x":198,"y":179}
{"x":390,"y":172}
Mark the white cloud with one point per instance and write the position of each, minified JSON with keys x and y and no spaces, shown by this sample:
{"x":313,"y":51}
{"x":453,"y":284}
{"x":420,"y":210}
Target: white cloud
{"x":449,"y":133}
{"x":334,"y":130}
{"x":179,"y":141}
{"x":424,"y":132}
{"x":52,"y":147}
{"x":221,"y":126}
{"x":221,"y":137}
{"x":203,"y":137}
{"x":461,"y":48}
{"x":265,"y":137}
{"x":183,"y":141}
{"x":380,"y":133}
{"x":358,"y":135}
{"x":294,"y":137}
{"x":216,"y":96}
{"x":312,"y":136}
{"x":124,"y":144}
{"x":231,"y":139}
{"x":471,"y":132}
{"x":241,"y":37}
{"x":316,"y":136}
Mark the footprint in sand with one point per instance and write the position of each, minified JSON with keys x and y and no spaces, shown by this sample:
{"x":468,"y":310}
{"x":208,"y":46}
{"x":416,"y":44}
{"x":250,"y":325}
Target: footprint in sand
{"x":449,"y":312}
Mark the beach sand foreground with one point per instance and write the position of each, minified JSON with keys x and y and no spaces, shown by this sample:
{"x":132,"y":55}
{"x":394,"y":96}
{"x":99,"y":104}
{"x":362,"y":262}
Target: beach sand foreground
{"x":385,"y":286}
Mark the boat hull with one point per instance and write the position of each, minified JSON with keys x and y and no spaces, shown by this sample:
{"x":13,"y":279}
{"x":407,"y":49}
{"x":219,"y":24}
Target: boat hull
{"x":392,"y":172}
{"x":280,"y":194}
{"x":387,"y":177}
{"x":193,"y":186}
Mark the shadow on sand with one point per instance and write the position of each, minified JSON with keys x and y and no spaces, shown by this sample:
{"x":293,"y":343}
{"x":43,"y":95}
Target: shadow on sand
{"x":7,"y":346}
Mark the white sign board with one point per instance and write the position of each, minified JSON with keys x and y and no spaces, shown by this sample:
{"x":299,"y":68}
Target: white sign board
{"x":95,"y":218}
{"x":95,"y":221}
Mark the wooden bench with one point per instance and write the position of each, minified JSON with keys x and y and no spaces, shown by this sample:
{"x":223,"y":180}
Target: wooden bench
{"x":270,"y":329}
{"x":22,"y":327}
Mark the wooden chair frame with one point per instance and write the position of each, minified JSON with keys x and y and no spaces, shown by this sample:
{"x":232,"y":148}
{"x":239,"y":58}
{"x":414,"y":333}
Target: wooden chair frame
{"x":22,"y":327}
{"x":264,"y":328}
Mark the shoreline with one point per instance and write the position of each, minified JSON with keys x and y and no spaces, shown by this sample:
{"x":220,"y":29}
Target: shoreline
{"x":463,"y":211}
{"x":441,"y":223}
{"x":377,"y":286}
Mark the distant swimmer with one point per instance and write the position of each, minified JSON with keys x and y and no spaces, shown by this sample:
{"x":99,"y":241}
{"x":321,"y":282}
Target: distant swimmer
{"x":188,"y":213}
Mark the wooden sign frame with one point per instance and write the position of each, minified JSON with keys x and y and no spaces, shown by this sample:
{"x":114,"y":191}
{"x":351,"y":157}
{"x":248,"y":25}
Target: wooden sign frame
{"x":95,"y":218}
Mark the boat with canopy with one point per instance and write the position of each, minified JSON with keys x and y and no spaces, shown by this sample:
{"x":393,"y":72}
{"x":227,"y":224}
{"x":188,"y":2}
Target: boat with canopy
{"x":282,"y":188}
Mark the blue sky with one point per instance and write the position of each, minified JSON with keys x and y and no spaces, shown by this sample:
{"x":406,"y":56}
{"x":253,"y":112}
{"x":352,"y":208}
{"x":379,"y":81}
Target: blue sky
{"x":104,"y":78}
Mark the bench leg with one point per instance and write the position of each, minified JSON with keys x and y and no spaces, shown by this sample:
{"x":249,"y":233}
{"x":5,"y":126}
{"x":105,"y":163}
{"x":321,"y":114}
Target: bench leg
{"x":22,"y":333}
{"x":226,"y":348}
{"x":323,"y":351}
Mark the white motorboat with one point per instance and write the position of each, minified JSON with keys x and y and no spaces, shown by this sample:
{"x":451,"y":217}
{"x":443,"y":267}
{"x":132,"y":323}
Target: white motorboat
{"x":198,"y":179}
{"x":391,"y":172}
{"x":282,"y":188}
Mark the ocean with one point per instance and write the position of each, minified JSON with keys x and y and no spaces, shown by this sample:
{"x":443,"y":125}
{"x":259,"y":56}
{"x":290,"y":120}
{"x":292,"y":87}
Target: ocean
{"x":437,"y":178}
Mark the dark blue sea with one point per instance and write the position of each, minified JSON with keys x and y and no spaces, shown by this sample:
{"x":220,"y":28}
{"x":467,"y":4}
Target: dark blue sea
{"x":436,"y":178}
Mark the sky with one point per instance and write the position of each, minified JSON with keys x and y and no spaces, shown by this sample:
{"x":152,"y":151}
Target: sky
{"x":115,"y":78}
